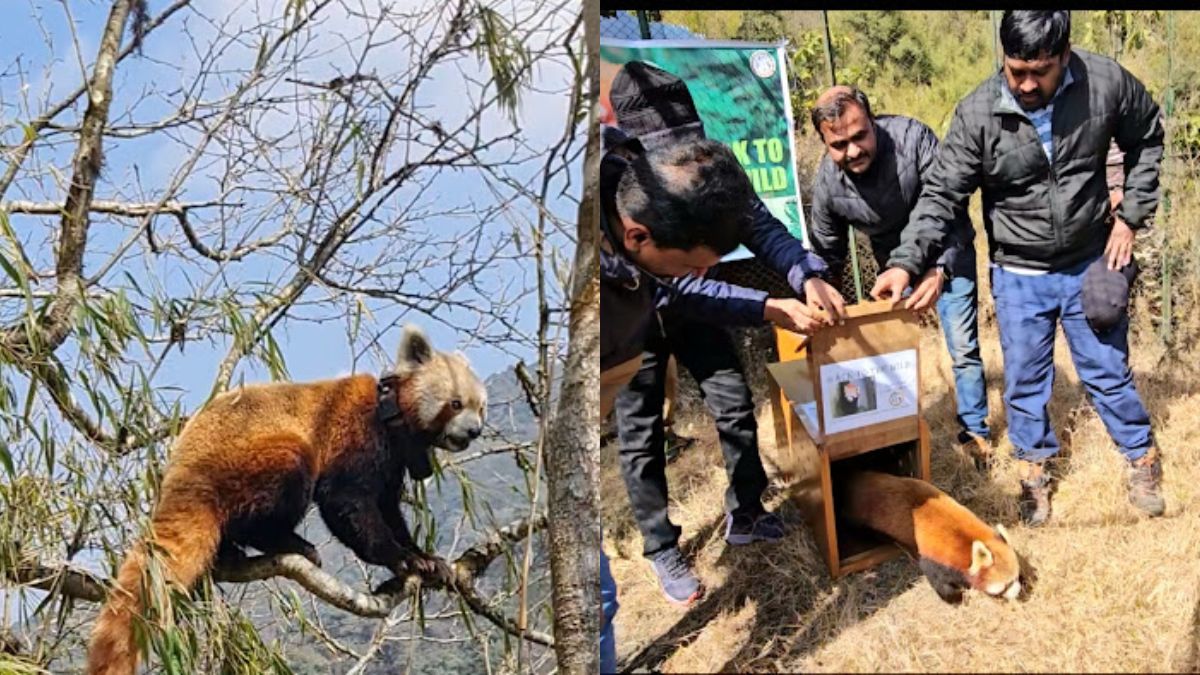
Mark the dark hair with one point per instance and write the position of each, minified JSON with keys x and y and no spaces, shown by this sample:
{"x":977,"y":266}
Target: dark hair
{"x":688,"y":195}
{"x":834,"y":108}
{"x":1027,"y":34}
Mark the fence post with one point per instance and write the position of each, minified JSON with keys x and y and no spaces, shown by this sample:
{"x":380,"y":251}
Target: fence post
{"x":1169,"y":109}
{"x":996,"y":39}
{"x":644,"y":24}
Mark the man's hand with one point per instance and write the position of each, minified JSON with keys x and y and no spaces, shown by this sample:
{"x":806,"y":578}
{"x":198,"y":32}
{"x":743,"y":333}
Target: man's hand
{"x":927,"y":292}
{"x":1120,"y":245}
{"x":823,"y":297}
{"x":891,"y":284}
{"x":793,"y":315}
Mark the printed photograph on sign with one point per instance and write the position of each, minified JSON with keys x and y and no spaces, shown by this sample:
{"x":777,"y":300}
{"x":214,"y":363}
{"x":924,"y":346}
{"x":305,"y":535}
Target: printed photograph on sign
{"x":855,"y":397}
{"x":870,"y":390}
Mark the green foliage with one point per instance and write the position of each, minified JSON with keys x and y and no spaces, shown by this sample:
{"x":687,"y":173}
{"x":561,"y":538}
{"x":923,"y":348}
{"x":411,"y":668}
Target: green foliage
{"x":809,"y":74}
{"x":764,"y":26}
{"x":508,"y":58}
{"x":1113,"y":32}
{"x":887,"y":46}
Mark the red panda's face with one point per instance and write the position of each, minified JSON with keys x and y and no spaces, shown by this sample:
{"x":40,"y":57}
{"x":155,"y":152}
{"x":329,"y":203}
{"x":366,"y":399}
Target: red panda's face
{"x":442,"y":396}
{"x":995,"y":567}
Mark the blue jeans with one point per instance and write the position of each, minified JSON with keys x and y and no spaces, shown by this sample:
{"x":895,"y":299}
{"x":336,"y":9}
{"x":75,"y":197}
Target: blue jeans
{"x":1028,"y":308}
{"x":957,"y":310}
{"x":608,"y":601}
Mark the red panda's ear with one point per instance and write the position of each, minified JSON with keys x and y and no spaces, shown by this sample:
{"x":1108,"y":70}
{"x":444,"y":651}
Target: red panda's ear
{"x":415,"y":349}
{"x":1003,"y":533}
{"x":981,"y":557}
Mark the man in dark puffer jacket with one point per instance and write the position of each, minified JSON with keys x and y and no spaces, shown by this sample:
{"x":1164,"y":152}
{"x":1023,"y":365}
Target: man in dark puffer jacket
{"x":870,"y":179}
{"x":1034,"y":138}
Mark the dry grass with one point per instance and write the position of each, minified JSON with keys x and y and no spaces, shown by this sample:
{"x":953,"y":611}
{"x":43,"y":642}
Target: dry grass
{"x":1112,"y":592}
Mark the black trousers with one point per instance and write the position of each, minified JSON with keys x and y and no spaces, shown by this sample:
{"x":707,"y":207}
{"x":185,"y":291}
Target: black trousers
{"x":708,"y":354}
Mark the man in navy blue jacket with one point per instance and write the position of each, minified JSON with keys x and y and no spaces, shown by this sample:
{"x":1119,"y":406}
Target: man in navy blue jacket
{"x":660,"y":127}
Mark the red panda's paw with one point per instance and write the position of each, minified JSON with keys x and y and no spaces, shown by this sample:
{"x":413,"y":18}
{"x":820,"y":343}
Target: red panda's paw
{"x":309,"y":551}
{"x":430,"y":568}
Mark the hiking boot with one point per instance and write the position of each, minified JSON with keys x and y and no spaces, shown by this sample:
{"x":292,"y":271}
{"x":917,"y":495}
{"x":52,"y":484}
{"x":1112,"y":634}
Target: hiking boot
{"x":1034,"y":503}
{"x":675,"y":577}
{"x":744,"y":529}
{"x":976,"y":448}
{"x":1144,"y":479}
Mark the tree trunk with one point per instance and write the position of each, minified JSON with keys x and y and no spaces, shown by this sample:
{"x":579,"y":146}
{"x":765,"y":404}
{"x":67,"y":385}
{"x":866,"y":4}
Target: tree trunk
{"x":573,"y":441}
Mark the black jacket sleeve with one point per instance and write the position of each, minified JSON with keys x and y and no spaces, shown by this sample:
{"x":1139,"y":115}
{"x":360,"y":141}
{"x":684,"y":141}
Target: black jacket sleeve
{"x":956,"y":173}
{"x":927,"y":149}
{"x":828,"y":233}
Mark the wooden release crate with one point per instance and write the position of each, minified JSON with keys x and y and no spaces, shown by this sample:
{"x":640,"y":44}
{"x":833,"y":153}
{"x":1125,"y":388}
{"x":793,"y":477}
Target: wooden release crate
{"x":847,"y":398}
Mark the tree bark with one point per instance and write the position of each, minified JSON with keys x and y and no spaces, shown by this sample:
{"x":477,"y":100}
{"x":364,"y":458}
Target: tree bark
{"x":573,"y":441}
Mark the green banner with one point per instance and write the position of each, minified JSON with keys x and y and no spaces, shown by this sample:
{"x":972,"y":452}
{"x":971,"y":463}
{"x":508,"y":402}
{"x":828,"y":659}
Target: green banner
{"x":741,"y":93}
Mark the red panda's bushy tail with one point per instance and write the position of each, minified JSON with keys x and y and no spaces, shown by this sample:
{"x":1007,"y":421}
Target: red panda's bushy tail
{"x":188,"y":536}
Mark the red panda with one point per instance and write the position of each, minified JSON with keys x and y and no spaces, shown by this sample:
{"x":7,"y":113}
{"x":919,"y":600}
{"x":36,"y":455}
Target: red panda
{"x":247,"y":466}
{"x":955,"y":549}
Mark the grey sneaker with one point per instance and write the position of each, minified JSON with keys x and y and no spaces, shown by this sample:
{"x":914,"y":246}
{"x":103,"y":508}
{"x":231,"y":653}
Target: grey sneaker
{"x":746,"y":529}
{"x":1144,"y":479}
{"x":675,"y":577}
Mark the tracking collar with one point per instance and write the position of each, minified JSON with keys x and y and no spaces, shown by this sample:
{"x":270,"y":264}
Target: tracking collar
{"x":397,"y":435}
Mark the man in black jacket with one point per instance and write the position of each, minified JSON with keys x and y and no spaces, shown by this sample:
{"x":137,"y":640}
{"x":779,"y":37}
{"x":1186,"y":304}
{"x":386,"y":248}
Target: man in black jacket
{"x":1034,"y":138}
{"x":657,"y":119}
{"x":870,"y":179}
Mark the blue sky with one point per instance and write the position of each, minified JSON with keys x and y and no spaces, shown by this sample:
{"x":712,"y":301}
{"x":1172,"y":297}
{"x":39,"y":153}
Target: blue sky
{"x":35,"y":39}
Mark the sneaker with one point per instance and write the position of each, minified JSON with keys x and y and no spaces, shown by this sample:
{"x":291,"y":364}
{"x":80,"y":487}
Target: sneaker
{"x":976,"y":448}
{"x":1034,"y":503}
{"x":1144,"y":479}
{"x":746,"y":529}
{"x":675,"y":577}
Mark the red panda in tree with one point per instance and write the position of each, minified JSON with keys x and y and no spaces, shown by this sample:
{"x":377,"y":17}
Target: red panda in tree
{"x":955,"y":549}
{"x":248,"y":465}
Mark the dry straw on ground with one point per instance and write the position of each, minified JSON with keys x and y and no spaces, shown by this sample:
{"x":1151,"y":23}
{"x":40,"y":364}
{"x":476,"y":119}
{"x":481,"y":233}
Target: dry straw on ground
{"x":1112,"y":591}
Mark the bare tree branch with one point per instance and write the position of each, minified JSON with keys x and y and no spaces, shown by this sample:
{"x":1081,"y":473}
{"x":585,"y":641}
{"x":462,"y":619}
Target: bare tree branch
{"x":170,"y":207}
{"x":467,"y":568}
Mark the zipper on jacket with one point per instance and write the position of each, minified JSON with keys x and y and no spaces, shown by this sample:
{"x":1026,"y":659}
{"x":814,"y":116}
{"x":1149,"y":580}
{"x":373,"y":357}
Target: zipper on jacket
{"x":1058,"y":238}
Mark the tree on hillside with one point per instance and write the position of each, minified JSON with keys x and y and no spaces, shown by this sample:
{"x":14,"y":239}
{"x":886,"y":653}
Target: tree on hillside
{"x":218,"y":189}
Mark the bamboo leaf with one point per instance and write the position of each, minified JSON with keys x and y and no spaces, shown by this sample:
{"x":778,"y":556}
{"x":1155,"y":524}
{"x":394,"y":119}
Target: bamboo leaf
{"x":6,"y":459}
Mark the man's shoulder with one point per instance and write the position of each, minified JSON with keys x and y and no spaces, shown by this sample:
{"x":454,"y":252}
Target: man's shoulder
{"x":1097,"y":67}
{"x":908,"y":134}
{"x":1094,"y":60}
{"x":827,"y":173}
{"x":978,"y":105}
{"x":902,"y":125}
